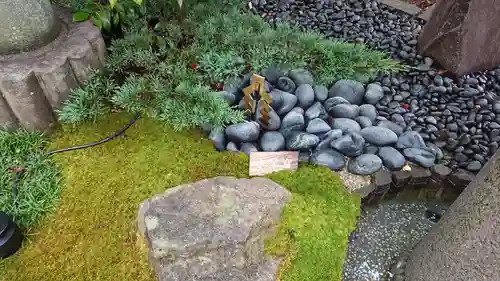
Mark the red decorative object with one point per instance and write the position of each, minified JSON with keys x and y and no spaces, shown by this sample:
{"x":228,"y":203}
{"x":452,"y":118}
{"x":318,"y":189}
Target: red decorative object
{"x":219,"y":86}
{"x":194,"y":66}
{"x":405,"y":106}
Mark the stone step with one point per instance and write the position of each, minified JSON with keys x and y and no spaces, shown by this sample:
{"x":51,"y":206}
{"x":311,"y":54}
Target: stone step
{"x":264,"y":272}
{"x":202,"y":229}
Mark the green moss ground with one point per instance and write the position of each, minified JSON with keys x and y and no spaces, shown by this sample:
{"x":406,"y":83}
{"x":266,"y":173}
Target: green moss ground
{"x":313,"y":232}
{"x":91,"y":234}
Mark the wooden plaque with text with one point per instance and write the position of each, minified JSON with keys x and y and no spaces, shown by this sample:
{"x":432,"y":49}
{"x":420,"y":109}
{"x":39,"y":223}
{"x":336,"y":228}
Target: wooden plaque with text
{"x":262,"y":163}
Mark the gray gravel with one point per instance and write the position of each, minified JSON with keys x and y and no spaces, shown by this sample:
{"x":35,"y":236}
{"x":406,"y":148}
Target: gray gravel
{"x":384,"y":232}
{"x":459,"y":115}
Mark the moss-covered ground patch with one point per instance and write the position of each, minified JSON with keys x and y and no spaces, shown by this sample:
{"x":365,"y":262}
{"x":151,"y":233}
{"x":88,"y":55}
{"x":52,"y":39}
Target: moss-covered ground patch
{"x":313,"y":233}
{"x":91,"y":235}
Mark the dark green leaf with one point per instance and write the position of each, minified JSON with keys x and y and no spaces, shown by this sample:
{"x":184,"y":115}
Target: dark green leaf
{"x":116,"y":19}
{"x":80,"y":16}
{"x":97,"y":22}
{"x":105,"y":17}
{"x":162,"y":43}
{"x":119,"y":8}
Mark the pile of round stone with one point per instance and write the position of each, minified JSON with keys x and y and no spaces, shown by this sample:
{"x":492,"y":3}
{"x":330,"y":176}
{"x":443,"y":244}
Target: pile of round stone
{"x":461,"y":116}
{"x":329,"y":126}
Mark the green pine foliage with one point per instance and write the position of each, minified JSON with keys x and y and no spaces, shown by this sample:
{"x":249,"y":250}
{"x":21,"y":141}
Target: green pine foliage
{"x":262,"y":45}
{"x":165,"y":71}
{"x":185,"y":98}
{"x":90,"y":101}
{"x":220,"y":66}
{"x":134,"y":94}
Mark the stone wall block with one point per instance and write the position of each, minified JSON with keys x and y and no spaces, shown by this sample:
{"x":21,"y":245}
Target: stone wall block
{"x":419,"y":176}
{"x":460,"y":178}
{"x":399,"y":181}
{"x":49,"y":73}
{"x":28,"y":102}
{"x":8,"y":120}
{"x":382,"y":182}
{"x":83,"y":59}
{"x":57,"y":80}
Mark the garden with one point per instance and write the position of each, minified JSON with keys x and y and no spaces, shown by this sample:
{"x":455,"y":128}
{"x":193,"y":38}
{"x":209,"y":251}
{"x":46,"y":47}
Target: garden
{"x":78,"y":208}
{"x":175,"y":75}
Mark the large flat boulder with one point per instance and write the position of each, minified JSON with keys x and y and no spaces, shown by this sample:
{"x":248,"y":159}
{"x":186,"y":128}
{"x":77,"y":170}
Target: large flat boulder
{"x":463,"y":35}
{"x":213,"y":229}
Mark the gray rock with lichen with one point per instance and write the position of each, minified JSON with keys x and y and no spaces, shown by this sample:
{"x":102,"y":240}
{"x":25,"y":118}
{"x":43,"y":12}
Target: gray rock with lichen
{"x":26,"y":24}
{"x":213,"y":229}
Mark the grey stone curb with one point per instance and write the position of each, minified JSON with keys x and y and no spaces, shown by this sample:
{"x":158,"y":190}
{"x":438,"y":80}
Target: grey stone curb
{"x":423,"y":14}
{"x":436,"y":180}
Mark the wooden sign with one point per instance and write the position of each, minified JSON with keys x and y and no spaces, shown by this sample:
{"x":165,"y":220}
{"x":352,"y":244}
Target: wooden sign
{"x":262,"y":163}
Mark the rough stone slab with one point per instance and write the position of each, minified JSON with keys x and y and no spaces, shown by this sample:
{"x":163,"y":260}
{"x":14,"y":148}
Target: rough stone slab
{"x":402,"y":6}
{"x":266,"y":271}
{"x":461,"y":178}
{"x":8,"y":121}
{"x":34,"y":84}
{"x":28,"y":102}
{"x":356,"y":184}
{"x":400,"y":178}
{"x":426,"y":14}
{"x":463,"y":35}
{"x":57,"y":82}
{"x":212,"y":228}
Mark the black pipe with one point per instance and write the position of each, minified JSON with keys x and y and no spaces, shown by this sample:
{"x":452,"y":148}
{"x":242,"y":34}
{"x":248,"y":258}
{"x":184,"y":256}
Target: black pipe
{"x":11,"y":237}
{"x":106,"y":139}
{"x":21,"y":171}
{"x":19,"y":175}
{"x":10,"y":234}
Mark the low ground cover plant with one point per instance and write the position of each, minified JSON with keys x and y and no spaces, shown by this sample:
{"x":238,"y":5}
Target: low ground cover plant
{"x":29,"y":198}
{"x":169,"y":67}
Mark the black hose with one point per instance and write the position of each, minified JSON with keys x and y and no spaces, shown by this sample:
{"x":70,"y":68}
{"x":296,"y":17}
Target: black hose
{"x":20,"y":171}
{"x":19,"y":175}
{"x":116,"y":134}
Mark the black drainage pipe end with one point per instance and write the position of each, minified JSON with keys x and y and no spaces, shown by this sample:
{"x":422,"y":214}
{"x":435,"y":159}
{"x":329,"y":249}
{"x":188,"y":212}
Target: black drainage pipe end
{"x":11,"y":237}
